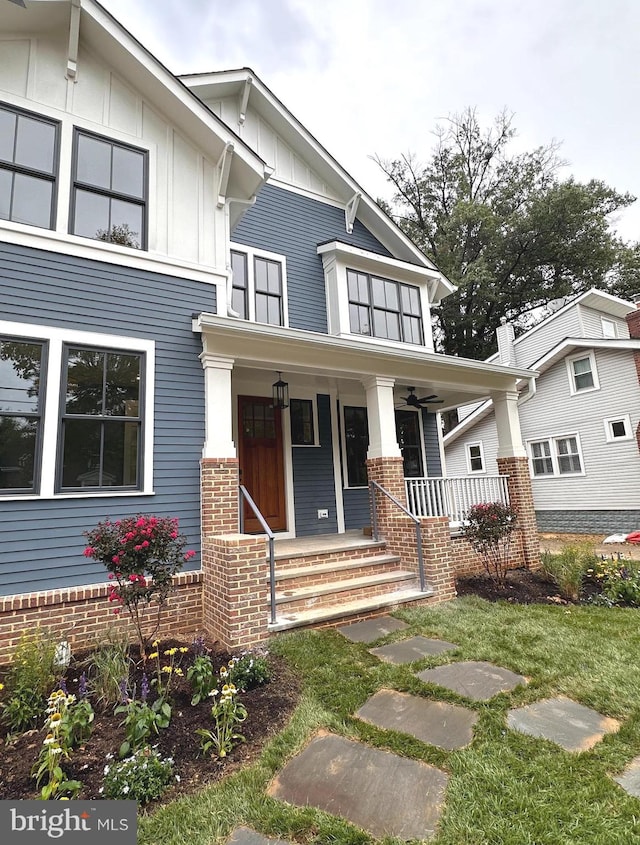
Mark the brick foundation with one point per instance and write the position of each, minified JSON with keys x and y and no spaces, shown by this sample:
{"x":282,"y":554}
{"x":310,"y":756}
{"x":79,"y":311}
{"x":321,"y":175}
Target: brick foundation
{"x":219,"y":483}
{"x":521,"y":498}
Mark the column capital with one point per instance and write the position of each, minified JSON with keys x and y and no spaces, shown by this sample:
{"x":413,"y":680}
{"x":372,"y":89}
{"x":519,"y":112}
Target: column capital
{"x":217,"y":362}
{"x":377,"y":381}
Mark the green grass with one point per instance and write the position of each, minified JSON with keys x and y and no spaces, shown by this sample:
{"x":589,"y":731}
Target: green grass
{"x":505,"y":788}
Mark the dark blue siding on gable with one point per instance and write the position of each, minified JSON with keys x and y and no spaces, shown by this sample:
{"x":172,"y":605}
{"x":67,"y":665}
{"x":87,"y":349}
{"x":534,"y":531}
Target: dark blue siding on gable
{"x":41,"y":540}
{"x":313,"y":484}
{"x":293,"y":225}
{"x":431,"y":444}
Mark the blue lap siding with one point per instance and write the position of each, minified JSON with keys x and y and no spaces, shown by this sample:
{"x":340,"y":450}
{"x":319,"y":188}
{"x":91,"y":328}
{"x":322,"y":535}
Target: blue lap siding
{"x":41,"y":541}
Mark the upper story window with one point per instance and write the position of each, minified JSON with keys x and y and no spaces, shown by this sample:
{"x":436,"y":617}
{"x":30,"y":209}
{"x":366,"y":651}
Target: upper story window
{"x":618,"y":428}
{"x":609,"y":328}
{"x":258,"y":287}
{"x":21,"y":376}
{"x":583,"y":375}
{"x":28,"y":167}
{"x":109,"y":197}
{"x":384,"y":308}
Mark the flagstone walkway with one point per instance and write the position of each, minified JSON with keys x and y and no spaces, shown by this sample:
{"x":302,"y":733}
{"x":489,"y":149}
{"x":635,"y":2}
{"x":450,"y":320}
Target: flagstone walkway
{"x":351,"y":779}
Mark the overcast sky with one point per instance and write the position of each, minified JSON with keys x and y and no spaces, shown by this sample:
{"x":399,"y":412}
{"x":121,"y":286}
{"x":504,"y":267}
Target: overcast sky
{"x":374,"y":76}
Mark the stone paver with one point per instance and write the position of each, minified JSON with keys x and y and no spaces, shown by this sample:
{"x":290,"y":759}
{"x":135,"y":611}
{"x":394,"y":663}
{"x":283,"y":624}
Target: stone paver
{"x":372,"y":629}
{"x":476,"y":680}
{"x":571,"y":725}
{"x":435,"y":722}
{"x":629,"y":780}
{"x":381,"y":792}
{"x":246,"y":836}
{"x":415,"y":648}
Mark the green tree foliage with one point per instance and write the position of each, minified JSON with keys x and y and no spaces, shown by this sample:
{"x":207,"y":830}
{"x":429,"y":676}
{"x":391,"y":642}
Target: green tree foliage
{"x":505,"y":228}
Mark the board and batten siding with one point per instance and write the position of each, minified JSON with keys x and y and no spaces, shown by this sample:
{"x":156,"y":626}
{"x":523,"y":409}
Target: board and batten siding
{"x":293,"y":225}
{"x":42,"y":540}
{"x":313,"y":480}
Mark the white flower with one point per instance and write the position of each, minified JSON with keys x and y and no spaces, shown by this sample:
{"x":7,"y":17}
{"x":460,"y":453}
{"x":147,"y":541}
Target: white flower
{"x":178,"y":778}
{"x":125,"y":789}
{"x":106,"y":770}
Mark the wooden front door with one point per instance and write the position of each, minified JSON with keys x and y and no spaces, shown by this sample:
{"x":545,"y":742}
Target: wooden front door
{"x":261,"y":461}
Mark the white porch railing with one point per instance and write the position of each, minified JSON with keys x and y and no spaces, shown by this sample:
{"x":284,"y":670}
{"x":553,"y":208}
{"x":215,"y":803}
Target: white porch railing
{"x":454,"y":496}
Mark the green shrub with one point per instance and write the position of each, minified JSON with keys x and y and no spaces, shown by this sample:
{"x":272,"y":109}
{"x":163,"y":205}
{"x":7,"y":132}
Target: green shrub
{"x":108,"y":666}
{"x":29,"y":680}
{"x":489,"y":526}
{"x":568,"y":568}
{"x":142,"y":777}
{"x":202,"y":677}
{"x":619,"y":582}
{"x":249,"y":670}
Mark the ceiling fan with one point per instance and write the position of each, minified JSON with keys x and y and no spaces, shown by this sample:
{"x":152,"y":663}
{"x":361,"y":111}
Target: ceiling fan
{"x":413,"y":401}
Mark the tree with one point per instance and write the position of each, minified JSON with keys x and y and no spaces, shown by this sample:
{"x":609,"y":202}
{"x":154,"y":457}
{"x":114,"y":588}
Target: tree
{"x":504,"y":228}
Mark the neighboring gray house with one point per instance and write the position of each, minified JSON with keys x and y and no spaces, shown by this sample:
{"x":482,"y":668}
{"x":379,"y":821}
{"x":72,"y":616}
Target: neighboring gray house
{"x":579,"y":419}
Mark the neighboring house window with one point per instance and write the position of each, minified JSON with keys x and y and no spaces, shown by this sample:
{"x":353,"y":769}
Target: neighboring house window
{"x":582,"y":373}
{"x":383,"y":308}
{"x":556,"y":456}
{"x":410,"y":443}
{"x":258,"y":288}
{"x":475,"y":457}
{"x":303,"y":423}
{"x":22,"y":366}
{"x":609,"y":328}
{"x":28,"y":166}
{"x":109,"y":199}
{"x":617,"y":428}
{"x":356,"y":440}
{"x":101,"y":419}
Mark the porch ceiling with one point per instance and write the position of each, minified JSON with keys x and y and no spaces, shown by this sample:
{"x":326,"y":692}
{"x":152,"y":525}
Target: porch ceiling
{"x":455,"y":380}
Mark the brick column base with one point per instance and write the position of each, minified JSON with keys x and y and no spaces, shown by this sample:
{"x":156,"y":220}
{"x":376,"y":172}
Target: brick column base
{"x":521,"y":498}
{"x":235,"y":601}
{"x":219,"y":481}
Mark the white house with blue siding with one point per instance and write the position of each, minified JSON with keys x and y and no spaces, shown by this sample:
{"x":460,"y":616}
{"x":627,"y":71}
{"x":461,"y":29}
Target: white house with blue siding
{"x":579,"y":422}
{"x":170,"y":250}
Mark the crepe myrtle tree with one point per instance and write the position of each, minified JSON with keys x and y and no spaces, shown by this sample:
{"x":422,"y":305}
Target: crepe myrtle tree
{"x":142,"y":554}
{"x":489,"y":528}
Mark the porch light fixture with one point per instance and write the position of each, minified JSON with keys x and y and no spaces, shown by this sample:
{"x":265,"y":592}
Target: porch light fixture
{"x":280,"y":393}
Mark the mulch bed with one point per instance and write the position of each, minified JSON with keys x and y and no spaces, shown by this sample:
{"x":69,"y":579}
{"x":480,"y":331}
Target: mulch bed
{"x":269,"y":708}
{"x":522,"y":586}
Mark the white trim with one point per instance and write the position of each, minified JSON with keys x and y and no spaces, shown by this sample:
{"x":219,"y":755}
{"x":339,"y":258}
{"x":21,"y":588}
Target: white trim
{"x":468,"y":447}
{"x":574,"y":390}
{"x":552,"y":440}
{"x":56,"y":337}
{"x":609,"y":333}
{"x":252,"y":253}
{"x":337,"y":464}
{"x":608,"y":428}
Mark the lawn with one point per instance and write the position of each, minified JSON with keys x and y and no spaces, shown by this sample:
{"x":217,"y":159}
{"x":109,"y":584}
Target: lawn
{"x":505,"y":788}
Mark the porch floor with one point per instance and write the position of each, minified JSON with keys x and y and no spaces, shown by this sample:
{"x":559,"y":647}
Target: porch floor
{"x":300,"y":546}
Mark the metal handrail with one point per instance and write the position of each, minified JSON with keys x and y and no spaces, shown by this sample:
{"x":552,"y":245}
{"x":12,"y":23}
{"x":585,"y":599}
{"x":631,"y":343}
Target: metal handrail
{"x":373,"y":485}
{"x":245,"y":496}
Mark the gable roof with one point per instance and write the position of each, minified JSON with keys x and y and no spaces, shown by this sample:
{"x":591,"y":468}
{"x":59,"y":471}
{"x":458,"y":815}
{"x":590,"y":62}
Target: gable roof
{"x":233,"y":83}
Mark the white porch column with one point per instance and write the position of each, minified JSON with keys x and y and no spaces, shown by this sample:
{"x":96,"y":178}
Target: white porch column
{"x":510,"y":443}
{"x":218,"y":406}
{"x":383,"y":440}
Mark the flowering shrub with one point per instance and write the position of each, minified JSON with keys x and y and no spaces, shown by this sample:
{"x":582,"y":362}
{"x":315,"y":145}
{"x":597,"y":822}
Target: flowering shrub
{"x":249,"y":670}
{"x":142,"y":777}
{"x":619,"y":582}
{"x":141,"y":554}
{"x":227,"y":713}
{"x":55,"y":746}
{"x":488,"y":527}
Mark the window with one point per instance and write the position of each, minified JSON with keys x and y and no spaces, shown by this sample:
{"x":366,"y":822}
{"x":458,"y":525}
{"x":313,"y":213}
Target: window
{"x":609,"y":328}
{"x":556,"y":456}
{"x":475,"y":457}
{"x":22,"y":365}
{"x":617,"y":428}
{"x":101,"y":419}
{"x":258,"y":288}
{"x":383,"y":308}
{"x":303,"y":424}
{"x":410,"y":443}
{"x":109,"y":201}
{"x":582,"y":373}
{"x":356,"y":439}
{"x":28,"y":165}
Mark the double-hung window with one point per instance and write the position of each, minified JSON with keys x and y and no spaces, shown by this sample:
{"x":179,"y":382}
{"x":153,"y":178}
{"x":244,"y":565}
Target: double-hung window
{"x":101,"y":427}
{"x":22,"y":366}
{"x":28,"y":167}
{"x":475,"y":457}
{"x":257,"y":288}
{"x":384,"y":308}
{"x":556,"y":456}
{"x":109,"y":200}
{"x":583,"y":375}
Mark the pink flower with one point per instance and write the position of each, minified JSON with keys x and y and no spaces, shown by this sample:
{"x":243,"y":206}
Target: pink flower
{"x":110,"y":575}
{"x":116,"y":610}
{"x":89,"y":551}
{"x":115,"y":559}
{"x":189,"y":554}
{"x":145,"y":544}
{"x":174,"y":534}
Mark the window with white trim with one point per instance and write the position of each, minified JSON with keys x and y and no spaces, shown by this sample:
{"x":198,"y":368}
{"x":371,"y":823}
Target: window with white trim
{"x":28,"y":166}
{"x":258,"y":287}
{"x":555,"y":456}
{"x":76,"y":412}
{"x":618,"y":428}
{"x":475,"y":458}
{"x":384,"y":308}
{"x":609,"y":328}
{"x":583,"y":375}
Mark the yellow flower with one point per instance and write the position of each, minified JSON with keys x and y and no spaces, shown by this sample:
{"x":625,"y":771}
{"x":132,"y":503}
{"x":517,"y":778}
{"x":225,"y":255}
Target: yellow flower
{"x":1,"y":687}
{"x":183,"y":650}
{"x":153,"y":654}
{"x":171,"y":651}
{"x":167,"y":669}
{"x":155,"y":644}
{"x":178,"y":670}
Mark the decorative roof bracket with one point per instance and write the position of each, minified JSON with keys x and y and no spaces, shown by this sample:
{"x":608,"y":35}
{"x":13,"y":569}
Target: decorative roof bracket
{"x":74,"y":40}
{"x":223,"y":170}
{"x":350,"y":211}
{"x":244,"y":99}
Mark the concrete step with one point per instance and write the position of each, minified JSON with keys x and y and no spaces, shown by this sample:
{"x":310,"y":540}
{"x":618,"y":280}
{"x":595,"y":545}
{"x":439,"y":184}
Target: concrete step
{"x":333,"y":570}
{"x":344,"y":590}
{"x":352,"y":611}
{"x":350,"y":550}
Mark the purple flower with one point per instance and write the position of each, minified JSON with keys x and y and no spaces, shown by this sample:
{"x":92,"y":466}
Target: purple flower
{"x":124,"y":692}
{"x":144,"y":688}
{"x":63,"y":686}
{"x":82,"y":685}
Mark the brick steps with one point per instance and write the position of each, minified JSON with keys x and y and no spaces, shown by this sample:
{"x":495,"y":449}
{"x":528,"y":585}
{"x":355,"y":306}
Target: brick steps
{"x":342,"y":591}
{"x":297,"y":577}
